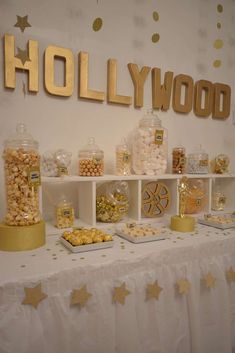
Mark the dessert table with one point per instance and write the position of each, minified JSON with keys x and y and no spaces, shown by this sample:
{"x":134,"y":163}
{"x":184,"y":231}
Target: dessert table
{"x":169,"y":296}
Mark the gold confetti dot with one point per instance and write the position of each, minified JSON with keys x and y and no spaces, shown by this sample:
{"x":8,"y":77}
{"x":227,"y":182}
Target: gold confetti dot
{"x":217,"y":63}
{"x":155,"y":16}
{"x":220,"y":8}
{"x":218,"y":25}
{"x":97,"y":24}
{"x":155,"y":37}
{"x":82,"y":258}
{"x":218,"y":44}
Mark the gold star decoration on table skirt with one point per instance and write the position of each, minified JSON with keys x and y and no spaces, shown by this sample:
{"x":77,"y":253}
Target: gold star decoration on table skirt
{"x":120,"y":293}
{"x":231,"y":275}
{"x":22,"y":55}
{"x":33,"y":296}
{"x":209,"y":280}
{"x":22,"y":22}
{"x":80,"y":296}
{"x":153,"y":290}
{"x":183,"y":286}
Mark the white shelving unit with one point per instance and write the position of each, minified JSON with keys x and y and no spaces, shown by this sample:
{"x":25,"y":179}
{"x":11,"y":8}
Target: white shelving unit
{"x":83,"y":192}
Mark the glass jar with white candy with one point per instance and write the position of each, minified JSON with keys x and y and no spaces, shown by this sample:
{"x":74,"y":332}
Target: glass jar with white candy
{"x":150,"y":146}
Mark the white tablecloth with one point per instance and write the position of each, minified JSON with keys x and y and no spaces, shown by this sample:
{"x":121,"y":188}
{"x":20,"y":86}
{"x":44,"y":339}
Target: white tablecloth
{"x":202,"y":321}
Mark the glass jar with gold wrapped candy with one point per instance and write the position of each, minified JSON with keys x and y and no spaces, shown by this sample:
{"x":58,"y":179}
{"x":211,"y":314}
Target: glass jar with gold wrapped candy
{"x":221,"y":164}
{"x":64,"y":214}
{"x":91,"y":160}
{"x":22,"y":178}
{"x":112,"y":201}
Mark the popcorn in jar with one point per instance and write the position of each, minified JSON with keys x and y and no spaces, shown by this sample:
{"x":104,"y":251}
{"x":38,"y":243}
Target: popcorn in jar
{"x":150,"y":146}
{"x":22,"y":179}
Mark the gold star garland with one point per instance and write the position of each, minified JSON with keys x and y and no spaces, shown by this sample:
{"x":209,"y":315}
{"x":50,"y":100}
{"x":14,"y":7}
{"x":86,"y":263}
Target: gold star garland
{"x":22,"y":22}
{"x":120,"y":293}
{"x":80,"y":296}
{"x":153,"y":290}
{"x":33,"y":296}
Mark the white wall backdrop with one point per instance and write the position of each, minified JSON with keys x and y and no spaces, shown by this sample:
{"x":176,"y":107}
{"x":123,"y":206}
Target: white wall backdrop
{"x":187,"y":29}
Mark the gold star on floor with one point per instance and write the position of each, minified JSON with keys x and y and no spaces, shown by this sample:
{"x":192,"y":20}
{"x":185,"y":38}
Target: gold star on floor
{"x":80,"y":296}
{"x":183,"y":286}
{"x":22,"y":55}
{"x":120,"y":293}
{"x":153,"y":291}
{"x":22,"y":22}
{"x":33,"y":296}
{"x":209,"y":280}
{"x":231,"y":275}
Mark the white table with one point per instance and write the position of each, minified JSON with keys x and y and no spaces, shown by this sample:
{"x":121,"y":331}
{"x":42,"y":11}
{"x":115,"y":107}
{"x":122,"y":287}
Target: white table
{"x":201,"y":321}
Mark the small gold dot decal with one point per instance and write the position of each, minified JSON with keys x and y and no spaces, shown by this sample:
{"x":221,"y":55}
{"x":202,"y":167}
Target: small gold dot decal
{"x":155,"y":16}
{"x":218,"y":44}
{"x":217,"y":63}
{"x":155,"y":37}
{"x":218,"y":25}
{"x":97,"y":24}
{"x":219,"y":8}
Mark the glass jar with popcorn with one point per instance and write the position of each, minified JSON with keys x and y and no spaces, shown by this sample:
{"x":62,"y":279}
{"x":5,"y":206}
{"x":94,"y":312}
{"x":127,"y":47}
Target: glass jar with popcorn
{"x":91,"y":160}
{"x":64,"y":214}
{"x":22,"y":178}
{"x":150,"y":146}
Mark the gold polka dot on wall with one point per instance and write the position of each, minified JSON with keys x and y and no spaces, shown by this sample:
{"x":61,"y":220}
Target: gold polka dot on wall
{"x":155,"y":16}
{"x":220,"y":8}
{"x":217,"y":63}
{"x":218,"y":25}
{"x":218,"y":44}
{"x":97,"y":24}
{"x":155,"y":36}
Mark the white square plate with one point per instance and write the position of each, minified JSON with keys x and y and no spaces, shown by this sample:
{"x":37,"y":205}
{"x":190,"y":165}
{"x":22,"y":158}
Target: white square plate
{"x":88,"y":247}
{"x":137,"y":240}
{"x":216,"y":224}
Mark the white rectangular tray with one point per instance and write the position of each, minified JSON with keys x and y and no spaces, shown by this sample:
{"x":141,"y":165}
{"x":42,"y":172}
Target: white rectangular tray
{"x":216,"y":225}
{"x":88,"y":247}
{"x":137,"y":240}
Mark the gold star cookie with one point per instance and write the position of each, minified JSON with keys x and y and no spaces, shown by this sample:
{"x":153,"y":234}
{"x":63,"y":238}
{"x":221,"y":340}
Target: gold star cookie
{"x":80,"y":296}
{"x":120,"y":293}
{"x":33,"y":296}
{"x":153,"y":290}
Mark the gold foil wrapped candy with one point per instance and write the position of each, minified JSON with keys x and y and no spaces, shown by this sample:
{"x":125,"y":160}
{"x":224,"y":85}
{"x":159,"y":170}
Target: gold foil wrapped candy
{"x":86,"y":236}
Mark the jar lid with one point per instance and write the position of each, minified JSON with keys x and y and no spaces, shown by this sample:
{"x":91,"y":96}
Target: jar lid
{"x":91,"y":148}
{"x":150,"y":119}
{"x":21,"y":139}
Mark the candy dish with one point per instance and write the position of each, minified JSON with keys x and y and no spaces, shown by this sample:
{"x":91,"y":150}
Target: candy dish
{"x":139,"y":233}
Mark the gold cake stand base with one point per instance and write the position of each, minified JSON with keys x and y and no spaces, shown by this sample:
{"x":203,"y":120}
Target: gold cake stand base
{"x":20,"y":238}
{"x":182,"y":224}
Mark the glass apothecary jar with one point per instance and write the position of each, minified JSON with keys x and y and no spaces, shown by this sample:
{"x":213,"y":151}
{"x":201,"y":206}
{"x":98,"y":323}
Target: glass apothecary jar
{"x":150,"y":146}
{"x":63,"y":160}
{"x":221,"y":164}
{"x":218,"y":197}
{"x":178,"y":160}
{"x":64,"y":214}
{"x":123,"y":159}
{"x":91,"y":160}
{"x":22,"y":178}
{"x":198,"y":162}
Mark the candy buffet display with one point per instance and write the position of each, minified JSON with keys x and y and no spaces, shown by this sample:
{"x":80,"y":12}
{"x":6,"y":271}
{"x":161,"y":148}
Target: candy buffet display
{"x":123,"y":159}
{"x":86,"y":239}
{"x":198,"y":162}
{"x":155,"y":199}
{"x":22,"y":178}
{"x":219,"y":221}
{"x":221,"y":164}
{"x":139,"y":233}
{"x":64,"y":214}
{"x":178,"y":160}
{"x":150,"y":145}
{"x":112,"y":201}
{"x":91,"y":160}
{"x":196,"y":198}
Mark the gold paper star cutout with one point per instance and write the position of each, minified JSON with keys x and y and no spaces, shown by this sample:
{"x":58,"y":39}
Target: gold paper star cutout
{"x":80,"y":296}
{"x":231,"y":275}
{"x":22,"y":22}
{"x":153,"y":291}
{"x":209,"y":280}
{"x":183,"y":286}
{"x":22,"y":55}
{"x":33,"y":296}
{"x":120,"y":293}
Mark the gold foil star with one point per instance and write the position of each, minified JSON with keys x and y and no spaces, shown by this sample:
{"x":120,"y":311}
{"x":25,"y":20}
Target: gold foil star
{"x":209,"y":280}
{"x":80,"y":296}
{"x":183,"y":286}
{"x":120,"y":293}
{"x":153,"y":291}
{"x":231,"y":275}
{"x":22,"y":55}
{"x":22,"y":22}
{"x":33,"y":296}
